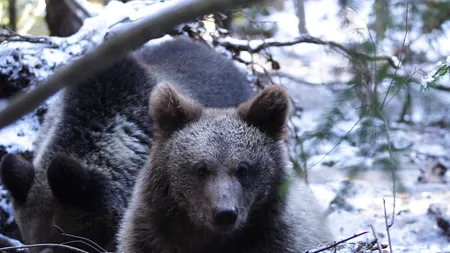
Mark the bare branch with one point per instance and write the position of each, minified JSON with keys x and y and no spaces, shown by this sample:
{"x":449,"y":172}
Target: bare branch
{"x":401,"y":55}
{"x":256,"y":46}
{"x":441,"y":87}
{"x":88,"y":242}
{"x":45,"y":245}
{"x":380,"y":249}
{"x":165,"y":18}
{"x":339,"y":242}
{"x":388,"y":226}
{"x":9,"y":35}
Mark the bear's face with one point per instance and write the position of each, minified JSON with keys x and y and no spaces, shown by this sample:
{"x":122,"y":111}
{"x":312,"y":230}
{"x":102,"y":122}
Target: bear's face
{"x":220,"y":168}
{"x":54,"y":205}
{"x":221,"y":163}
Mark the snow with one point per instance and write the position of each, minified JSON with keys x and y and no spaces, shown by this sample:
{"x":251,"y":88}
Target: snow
{"x":414,"y":230}
{"x":19,"y":137}
{"x":6,"y":206}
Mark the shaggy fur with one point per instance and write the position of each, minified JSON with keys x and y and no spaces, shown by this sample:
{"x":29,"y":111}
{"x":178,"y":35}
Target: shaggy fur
{"x":213,"y":180}
{"x":97,"y":136}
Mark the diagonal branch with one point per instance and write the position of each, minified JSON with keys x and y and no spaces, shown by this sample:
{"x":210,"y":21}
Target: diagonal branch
{"x":256,"y":46}
{"x":151,"y":26}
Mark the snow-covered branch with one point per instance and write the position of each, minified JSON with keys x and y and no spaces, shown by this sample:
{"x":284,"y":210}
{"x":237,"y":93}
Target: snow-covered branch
{"x":155,"y":24}
{"x":255,"y":46}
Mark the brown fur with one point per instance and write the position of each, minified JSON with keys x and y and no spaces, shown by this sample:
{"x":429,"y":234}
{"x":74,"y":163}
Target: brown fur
{"x":210,"y":159}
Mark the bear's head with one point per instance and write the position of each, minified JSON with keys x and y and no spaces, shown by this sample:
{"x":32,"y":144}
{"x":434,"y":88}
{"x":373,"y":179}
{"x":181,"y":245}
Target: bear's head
{"x":65,"y":202}
{"x":219,"y":164}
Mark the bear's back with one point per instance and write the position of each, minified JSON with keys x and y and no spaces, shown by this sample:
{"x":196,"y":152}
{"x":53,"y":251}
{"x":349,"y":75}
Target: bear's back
{"x":198,"y":72}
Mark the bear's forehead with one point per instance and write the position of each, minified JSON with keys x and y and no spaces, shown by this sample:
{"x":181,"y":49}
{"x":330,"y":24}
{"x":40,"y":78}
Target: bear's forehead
{"x":221,"y":129}
{"x":220,"y":138}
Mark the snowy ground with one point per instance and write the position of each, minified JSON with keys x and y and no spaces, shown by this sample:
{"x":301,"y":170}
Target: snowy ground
{"x":414,"y":230}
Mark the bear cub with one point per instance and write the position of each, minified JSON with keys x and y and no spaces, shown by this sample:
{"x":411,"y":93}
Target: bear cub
{"x":213,"y":180}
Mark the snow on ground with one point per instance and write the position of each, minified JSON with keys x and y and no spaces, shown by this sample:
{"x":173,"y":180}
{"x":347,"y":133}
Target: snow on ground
{"x":414,"y":229}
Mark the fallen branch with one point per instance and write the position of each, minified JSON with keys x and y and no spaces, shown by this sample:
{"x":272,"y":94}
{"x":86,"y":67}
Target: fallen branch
{"x":166,"y":17}
{"x":339,"y":242}
{"x":380,"y":249}
{"x":256,"y":46}
{"x":46,"y":245}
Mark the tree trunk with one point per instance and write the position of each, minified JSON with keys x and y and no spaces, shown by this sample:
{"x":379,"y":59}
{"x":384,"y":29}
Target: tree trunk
{"x":61,"y":18}
{"x":382,"y":17}
{"x":12,"y":15}
{"x":278,"y":4}
{"x":300,"y":12}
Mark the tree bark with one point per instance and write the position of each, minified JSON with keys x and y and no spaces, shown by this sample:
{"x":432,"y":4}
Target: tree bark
{"x":12,"y":14}
{"x":300,"y":12}
{"x":61,"y":18}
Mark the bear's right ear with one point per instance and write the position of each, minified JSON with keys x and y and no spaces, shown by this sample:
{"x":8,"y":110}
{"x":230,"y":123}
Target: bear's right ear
{"x":171,"y":111}
{"x":17,"y":175}
{"x":268,"y":111}
{"x":72,"y":183}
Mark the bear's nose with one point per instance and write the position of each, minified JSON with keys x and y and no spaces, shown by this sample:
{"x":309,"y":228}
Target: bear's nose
{"x":225,"y":216}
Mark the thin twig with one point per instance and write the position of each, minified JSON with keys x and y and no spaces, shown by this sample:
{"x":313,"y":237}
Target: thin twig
{"x":400,"y":58}
{"x":380,"y":249}
{"x":339,"y":142}
{"x":94,"y":245}
{"x":388,"y":226}
{"x":10,"y":35}
{"x":169,"y":15}
{"x":339,"y":242}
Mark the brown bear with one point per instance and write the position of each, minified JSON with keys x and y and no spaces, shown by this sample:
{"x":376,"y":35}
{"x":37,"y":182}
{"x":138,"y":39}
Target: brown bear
{"x":213,"y":182}
{"x":98,"y":135}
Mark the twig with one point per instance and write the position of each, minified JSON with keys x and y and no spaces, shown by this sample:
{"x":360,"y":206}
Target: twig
{"x":339,"y":242}
{"x":10,"y":35}
{"x":400,"y":58}
{"x":376,"y":238}
{"x":303,"y":81}
{"x":441,"y":87}
{"x":340,"y":141}
{"x":92,"y":243}
{"x":260,"y":45}
{"x":388,"y":226}
{"x":84,"y":243}
{"x":168,"y":16}
{"x":50,"y":245}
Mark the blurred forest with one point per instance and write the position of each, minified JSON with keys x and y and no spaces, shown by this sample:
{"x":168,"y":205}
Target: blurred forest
{"x":370,"y":85}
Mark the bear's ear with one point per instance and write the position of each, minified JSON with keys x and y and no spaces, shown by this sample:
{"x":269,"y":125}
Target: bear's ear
{"x":17,"y":176}
{"x":268,"y":111}
{"x":171,"y":111}
{"x":71,"y":182}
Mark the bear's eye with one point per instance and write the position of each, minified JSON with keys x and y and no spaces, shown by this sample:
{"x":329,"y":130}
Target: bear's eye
{"x":242,"y":170}
{"x":202,"y":170}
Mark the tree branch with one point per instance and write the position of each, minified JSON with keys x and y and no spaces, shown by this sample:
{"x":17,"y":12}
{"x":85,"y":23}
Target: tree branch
{"x":256,"y":46}
{"x":339,"y":242}
{"x":166,"y":17}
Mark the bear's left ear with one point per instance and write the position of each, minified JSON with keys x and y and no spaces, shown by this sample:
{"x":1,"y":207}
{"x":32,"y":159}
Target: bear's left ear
{"x":268,"y":111}
{"x":72,"y":183}
{"x":171,"y":111}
